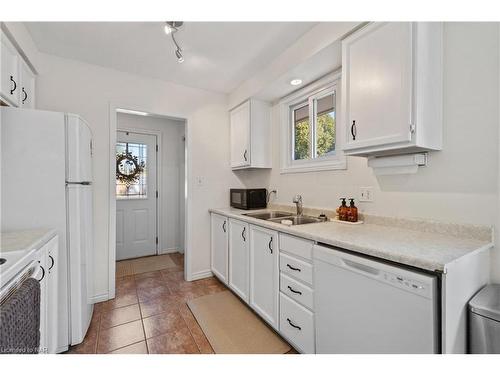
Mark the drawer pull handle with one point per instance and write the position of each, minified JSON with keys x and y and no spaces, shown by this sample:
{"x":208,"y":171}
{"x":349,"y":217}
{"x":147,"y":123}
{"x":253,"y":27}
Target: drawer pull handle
{"x":243,"y":234}
{"x":270,"y":245}
{"x":224,"y":226}
{"x":293,"y":325}
{"x":294,"y":291}
{"x":52,"y":262}
{"x":293,"y":268}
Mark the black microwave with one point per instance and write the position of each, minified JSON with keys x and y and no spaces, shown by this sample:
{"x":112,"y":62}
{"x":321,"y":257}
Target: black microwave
{"x":248,"y":199}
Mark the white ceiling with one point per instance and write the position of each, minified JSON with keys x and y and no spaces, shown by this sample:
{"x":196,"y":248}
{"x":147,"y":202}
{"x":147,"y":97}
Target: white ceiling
{"x":218,"y":55}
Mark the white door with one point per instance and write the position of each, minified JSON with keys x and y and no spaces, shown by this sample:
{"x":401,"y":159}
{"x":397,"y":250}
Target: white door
{"x":240,"y":135}
{"x":9,"y":79}
{"x":219,"y":246}
{"x":377,"y":63}
{"x":264,"y":273}
{"x":239,"y":239}
{"x":136,"y":195}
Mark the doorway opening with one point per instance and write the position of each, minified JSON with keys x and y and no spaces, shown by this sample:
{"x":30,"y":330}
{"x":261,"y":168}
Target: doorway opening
{"x":150,"y":191}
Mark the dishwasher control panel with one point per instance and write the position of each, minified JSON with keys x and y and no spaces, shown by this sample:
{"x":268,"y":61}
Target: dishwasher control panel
{"x":416,"y":287}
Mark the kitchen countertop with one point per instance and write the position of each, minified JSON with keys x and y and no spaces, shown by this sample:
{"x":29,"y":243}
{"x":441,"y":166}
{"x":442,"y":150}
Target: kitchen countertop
{"x":426,"y":250}
{"x":18,"y":247}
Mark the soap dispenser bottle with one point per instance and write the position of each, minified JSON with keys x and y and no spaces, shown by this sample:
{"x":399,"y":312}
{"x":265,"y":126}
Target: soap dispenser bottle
{"x":352,"y":211}
{"x":343,"y":210}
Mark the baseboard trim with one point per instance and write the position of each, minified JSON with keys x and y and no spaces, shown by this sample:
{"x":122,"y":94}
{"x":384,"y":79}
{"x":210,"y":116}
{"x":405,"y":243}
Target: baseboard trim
{"x":201,"y":275}
{"x":168,"y":251}
{"x":100,"y":298}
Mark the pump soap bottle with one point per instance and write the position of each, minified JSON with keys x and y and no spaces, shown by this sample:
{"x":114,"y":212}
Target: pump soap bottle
{"x":343,"y":210}
{"x":352,"y":212}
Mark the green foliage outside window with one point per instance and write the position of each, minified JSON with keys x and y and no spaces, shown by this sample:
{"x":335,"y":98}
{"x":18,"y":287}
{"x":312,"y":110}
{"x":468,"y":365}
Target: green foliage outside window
{"x":302,"y":139}
{"x":325,"y":136}
{"x":325,"y":133}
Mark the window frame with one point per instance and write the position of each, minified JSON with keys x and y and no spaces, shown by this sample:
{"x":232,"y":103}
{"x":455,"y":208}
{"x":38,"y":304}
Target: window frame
{"x":308,"y":96}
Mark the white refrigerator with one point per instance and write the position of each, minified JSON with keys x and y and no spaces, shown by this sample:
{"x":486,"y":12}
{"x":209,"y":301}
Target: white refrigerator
{"x":46,"y":182}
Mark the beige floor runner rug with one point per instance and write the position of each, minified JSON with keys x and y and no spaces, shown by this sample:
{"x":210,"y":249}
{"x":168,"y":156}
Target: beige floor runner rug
{"x":232,"y":328}
{"x":142,"y":265}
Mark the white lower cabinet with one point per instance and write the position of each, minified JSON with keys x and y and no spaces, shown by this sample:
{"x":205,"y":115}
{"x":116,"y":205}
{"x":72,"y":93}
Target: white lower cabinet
{"x":239,"y":258}
{"x":219,"y":247}
{"x":47,"y":275}
{"x":297,"y":291}
{"x":264,"y":274}
{"x":297,"y":324}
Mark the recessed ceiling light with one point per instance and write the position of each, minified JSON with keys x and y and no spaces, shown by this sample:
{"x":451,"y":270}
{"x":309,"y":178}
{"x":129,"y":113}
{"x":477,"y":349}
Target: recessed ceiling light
{"x":295,"y":82}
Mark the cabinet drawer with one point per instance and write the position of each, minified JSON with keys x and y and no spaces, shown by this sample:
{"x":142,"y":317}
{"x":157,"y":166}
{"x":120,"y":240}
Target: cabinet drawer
{"x":296,"y":291}
{"x":297,"y":246}
{"x":296,"y":268}
{"x":297,"y":324}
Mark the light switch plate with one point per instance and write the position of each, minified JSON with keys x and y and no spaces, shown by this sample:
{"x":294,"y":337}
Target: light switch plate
{"x":366,"y":194}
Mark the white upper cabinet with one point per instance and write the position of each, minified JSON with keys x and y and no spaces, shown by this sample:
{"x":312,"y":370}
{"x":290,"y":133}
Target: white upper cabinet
{"x":10,"y":82}
{"x":251,"y":135}
{"x":17,"y":80}
{"x":27,"y":93}
{"x":392,"y":88}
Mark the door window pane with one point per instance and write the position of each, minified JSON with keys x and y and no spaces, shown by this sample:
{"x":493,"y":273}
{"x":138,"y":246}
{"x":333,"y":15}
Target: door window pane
{"x":325,"y":125}
{"x":131,"y":170}
{"x":301,"y":133}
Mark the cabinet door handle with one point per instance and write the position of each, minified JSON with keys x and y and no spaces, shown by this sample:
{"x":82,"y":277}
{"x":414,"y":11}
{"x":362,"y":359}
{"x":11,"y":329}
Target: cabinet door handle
{"x":293,"y":268}
{"x":245,"y":155}
{"x":25,"y":95}
{"x":51,"y":264}
{"x":243,"y":234}
{"x":224,"y":226}
{"x":15,"y":85}
{"x":43,"y":274}
{"x":270,"y":245}
{"x":293,"y":325}
{"x":293,"y":290}
{"x":353,"y":130}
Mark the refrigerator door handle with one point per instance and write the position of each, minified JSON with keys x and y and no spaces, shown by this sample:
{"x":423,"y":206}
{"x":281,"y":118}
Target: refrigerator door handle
{"x":79,"y":183}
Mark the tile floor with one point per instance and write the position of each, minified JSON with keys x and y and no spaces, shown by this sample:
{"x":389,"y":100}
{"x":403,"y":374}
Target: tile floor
{"x":149,"y":315}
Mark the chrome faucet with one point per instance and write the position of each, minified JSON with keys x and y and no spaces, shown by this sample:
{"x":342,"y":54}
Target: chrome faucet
{"x":298,"y":201}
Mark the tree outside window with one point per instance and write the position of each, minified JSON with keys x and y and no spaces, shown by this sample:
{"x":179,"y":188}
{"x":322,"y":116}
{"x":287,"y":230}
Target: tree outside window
{"x":322,"y":129}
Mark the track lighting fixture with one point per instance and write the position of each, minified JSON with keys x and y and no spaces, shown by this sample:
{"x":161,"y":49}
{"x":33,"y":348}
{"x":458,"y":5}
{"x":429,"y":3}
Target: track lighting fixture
{"x":171,"y":27}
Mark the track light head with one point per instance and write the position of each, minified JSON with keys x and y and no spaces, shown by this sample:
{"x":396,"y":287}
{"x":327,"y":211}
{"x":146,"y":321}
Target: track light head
{"x":172,"y":26}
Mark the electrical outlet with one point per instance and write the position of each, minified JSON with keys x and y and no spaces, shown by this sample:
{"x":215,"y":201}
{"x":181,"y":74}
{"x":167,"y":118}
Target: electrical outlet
{"x":366,"y":194}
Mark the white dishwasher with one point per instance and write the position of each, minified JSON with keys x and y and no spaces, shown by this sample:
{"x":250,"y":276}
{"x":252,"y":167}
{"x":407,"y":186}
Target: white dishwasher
{"x":366,"y":306}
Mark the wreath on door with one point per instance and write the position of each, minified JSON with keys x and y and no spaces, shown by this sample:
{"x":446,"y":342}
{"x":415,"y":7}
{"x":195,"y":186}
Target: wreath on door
{"x":128,"y":168}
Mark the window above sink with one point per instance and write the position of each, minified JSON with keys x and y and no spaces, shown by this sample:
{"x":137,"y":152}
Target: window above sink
{"x":310,"y":137}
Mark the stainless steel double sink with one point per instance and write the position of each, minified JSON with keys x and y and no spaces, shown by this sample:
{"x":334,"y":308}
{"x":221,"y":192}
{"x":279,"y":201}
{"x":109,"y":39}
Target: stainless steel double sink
{"x":277,"y":216}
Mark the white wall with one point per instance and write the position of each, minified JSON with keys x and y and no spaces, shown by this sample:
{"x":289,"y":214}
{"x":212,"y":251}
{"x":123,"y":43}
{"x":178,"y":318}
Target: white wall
{"x":172,"y":173}
{"x":460,"y":182}
{"x":68,"y":85}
